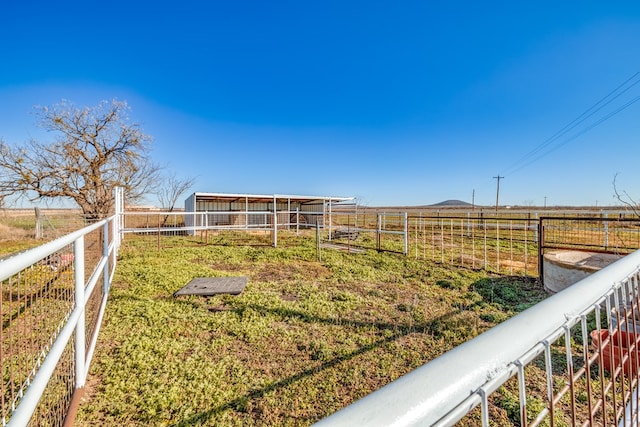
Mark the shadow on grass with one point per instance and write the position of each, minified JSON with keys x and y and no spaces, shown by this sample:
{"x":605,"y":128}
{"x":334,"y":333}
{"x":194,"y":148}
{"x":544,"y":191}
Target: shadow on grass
{"x":511,"y":294}
{"x":400,"y":331}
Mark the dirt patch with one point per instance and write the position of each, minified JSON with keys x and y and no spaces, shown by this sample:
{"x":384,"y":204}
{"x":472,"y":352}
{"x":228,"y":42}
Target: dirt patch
{"x":513,"y":264}
{"x":274,"y":272}
{"x":90,"y":386}
{"x":226,"y":266}
{"x":219,"y":308}
{"x":289,"y":297}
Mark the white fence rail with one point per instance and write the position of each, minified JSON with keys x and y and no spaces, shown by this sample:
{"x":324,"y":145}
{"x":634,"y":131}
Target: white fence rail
{"x":386,"y":231}
{"x":52,"y":303}
{"x":558,"y":337}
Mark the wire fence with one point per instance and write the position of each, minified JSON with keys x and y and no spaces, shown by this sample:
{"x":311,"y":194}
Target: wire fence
{"x":47,"y":294}
{"x":44,"y":301}
{"x":338,"y":231}
{"x":41,"y":225}
{"x":35,"y":303}
{"x":616,"y":235}
{"x":501,"y":244}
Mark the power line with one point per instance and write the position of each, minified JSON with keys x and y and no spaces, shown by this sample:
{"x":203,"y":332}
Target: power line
{"x":580,"y":133}
{"x":535,"y":154}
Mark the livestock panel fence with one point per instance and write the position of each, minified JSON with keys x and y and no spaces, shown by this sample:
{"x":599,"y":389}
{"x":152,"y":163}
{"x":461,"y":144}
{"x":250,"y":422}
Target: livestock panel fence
{"x":515,"y":245}
{"x":572,"y":359}
{"x":382,"y":232}
{"x":502,"y":244}
{"x":51,"y":305}
{"x":617,"y":235}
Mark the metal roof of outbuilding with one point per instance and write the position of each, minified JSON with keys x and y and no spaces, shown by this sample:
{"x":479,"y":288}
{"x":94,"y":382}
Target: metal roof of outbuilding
{"x":231,"y":197}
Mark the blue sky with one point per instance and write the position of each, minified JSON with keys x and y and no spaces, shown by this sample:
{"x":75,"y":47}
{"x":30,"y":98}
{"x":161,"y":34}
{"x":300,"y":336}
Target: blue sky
{"x":397,"y":103}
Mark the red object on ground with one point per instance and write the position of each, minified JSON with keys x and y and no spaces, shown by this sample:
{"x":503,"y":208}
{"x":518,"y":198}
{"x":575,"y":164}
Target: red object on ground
{"x":625,"y":346}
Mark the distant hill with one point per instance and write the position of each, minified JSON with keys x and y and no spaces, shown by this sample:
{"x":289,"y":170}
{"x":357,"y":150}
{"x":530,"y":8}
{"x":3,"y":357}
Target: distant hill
{"x":450,"y":203}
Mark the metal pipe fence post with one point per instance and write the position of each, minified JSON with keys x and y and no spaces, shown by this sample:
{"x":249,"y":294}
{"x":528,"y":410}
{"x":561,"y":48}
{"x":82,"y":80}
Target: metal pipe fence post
{"x":484,"y":227}
{"x":497,"y":244}
{"x":406,"y":234}
{"x":318,"y":251}
{"x":297,"y":221}
{"x":606,"y":231}
{"x":452,"y":242}
{"x":473,"y":244}
{"x":348,"y":233}
{"x":540,"y":236}
{"x":246,"y":213}
{"x":526,"y":249}
{"x":462,"y":242}
{"x":275,"y":221}
{"x":441,"y":240}
{"x":417,"y":237}
{"x":78,"y":256}
{"x":105,"y":254}
{"x":275,"y":228}
{"x":330,"y":219}
{"x":379,"y":219}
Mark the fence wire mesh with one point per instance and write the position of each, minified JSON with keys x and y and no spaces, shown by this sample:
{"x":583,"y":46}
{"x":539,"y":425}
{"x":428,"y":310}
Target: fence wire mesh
{"x":41,"y":295}
{"x":584,"y":374}
{"x":617,"y":235}
{"x":502,"y":245}
{"x":40,"y":224}
{"x":34,"y":305}
{"x":582,"y":386}
{"x":571,"y":360}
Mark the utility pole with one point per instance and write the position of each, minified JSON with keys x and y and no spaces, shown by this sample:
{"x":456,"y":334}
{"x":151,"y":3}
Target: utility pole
{"x":498,"y":191}
{"x":473,"y":199}
{"x":545,"y":202}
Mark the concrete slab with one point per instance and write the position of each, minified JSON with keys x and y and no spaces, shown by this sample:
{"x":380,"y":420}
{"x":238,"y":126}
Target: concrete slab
{"x":208,"y":286}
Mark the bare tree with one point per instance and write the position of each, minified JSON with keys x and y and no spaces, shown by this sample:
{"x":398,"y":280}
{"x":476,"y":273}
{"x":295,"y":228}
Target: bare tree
{"x":171,"y":189}
{"x":625,"y":198}
{"x":95,"y":149}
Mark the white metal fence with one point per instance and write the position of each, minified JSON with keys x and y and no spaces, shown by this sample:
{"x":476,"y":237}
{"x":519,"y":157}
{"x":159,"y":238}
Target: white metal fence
{"x":566,"y":361}
{"x":569,"y":360}
{"x":51,"y":305}
{"x":381,"y":231}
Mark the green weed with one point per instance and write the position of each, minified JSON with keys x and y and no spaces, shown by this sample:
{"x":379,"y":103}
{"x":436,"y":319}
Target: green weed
{"x":303,"y":340}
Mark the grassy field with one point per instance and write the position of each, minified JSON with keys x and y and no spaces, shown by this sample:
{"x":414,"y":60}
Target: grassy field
{"x":303,"y":340}
{"x":18,"y":227}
